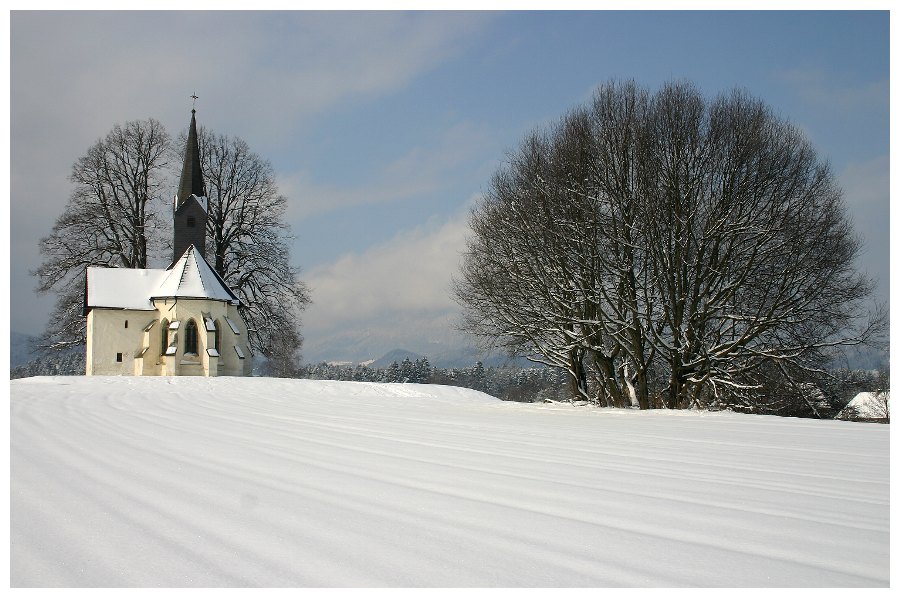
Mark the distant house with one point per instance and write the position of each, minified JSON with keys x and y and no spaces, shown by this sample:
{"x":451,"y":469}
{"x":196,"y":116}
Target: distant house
{"x":179,"y":321}
{"x":868,"y":406}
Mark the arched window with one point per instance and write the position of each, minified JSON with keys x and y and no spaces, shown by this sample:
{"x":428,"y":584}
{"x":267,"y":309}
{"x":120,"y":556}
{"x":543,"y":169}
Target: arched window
{"x":218,"y":335}
{"x":164,"y":336}
{"x":190,"y":337}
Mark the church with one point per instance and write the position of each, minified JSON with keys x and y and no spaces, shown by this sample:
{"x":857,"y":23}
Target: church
{"x":178,"y":321}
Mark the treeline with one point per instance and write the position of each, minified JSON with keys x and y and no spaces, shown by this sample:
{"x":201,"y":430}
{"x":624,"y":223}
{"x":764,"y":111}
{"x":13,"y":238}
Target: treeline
{"x":69,"y":363}
{"x":823,"y":399}
{"x":524,"y":385}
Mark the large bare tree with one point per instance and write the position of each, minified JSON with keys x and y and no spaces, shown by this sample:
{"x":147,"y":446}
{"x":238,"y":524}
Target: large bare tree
{"x":247,"y":238}
{"x":689,"y":251}
{"x":109,"y":220}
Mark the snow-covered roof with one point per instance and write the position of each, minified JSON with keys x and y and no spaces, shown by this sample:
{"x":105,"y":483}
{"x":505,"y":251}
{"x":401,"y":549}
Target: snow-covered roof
{"x":180,"y":204}
{"x":192,"y":277}
{"x":131,"y":288}
{"x":122,"y":288}
{"x":867,"y":405}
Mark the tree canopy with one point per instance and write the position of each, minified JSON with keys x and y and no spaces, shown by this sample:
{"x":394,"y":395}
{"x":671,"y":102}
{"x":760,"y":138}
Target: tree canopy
{"x":667,"y":250}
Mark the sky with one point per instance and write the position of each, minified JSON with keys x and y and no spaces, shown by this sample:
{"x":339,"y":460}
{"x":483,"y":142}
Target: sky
{"x":384,"y":127}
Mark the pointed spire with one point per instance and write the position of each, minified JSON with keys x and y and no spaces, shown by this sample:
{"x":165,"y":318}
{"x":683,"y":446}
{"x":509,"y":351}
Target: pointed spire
{"x":191,"y":176}
{"x":189,"y":218}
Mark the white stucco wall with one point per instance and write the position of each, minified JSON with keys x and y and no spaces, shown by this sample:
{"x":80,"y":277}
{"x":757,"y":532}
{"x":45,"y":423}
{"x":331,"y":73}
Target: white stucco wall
{"x":201,"y":364}
{"x":107,"y":335}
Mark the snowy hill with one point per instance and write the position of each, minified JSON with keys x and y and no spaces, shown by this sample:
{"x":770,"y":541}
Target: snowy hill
{"x":274,"y":482}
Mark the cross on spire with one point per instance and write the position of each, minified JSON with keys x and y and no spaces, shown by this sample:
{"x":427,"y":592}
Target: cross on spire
{"x":194,"y":97}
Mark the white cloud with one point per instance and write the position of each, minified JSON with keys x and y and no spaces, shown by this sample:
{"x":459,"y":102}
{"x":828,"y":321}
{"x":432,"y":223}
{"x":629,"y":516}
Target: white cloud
{"x":409,"y":272}
{"x":398,"y":292}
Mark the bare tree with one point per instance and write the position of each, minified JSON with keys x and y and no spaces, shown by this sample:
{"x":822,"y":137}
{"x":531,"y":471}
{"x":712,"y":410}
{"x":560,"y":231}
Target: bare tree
{"x":515,"y":260}
{"x":109,"y":221}
{"x":753,"y":255}
{"x":695,"y":251}
{"x":248,"y":240}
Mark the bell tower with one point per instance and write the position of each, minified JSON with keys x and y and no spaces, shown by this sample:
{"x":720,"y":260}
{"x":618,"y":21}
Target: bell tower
{"x":190,"y":203}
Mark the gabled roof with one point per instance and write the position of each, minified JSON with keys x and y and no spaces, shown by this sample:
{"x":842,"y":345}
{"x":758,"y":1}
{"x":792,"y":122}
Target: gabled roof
{"x":866,"y":405}
{"x":122,"y":288}
{"x":191,"y":277}
{"x":202,"y":200}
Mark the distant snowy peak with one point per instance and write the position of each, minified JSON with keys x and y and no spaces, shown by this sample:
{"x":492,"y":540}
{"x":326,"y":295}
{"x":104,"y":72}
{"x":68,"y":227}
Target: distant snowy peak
{"x":397,"y":355}
{"x":459,"y":357}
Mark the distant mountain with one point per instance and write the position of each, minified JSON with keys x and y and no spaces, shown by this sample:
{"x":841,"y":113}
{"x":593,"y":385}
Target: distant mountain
{"x":21,"y":348}
{"x":431,"y":335}
{"x":397,"y":355}
{"x":462,"y":357}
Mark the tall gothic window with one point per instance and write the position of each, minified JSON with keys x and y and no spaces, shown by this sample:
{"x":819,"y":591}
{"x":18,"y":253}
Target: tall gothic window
{"x":164,"y":336}
{"x":218,"y":335}
{"x":190,"y":337}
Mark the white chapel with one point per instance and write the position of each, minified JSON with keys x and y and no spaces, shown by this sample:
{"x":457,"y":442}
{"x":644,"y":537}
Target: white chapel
{"x":179,"y":321}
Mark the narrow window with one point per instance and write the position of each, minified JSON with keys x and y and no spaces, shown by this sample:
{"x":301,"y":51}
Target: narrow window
{"x":126,"y":323}
{"x":190,"y":337}
{"x":164,"y":336}
{"x":217,"y":336}
{"x":119,"y":357}
{"x":191,"y":222}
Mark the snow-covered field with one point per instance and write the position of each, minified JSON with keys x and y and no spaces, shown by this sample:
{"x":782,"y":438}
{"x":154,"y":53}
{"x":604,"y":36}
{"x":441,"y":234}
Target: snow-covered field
{"x":267,"y":482}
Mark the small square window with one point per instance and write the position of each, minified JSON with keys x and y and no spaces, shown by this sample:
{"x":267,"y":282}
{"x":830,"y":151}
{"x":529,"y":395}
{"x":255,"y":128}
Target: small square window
{"x":119,"y":357}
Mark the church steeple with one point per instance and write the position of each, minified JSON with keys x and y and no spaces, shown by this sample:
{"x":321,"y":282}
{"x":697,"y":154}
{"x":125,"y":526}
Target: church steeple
{"x":191,"y":175}
{"x":190,"y":202}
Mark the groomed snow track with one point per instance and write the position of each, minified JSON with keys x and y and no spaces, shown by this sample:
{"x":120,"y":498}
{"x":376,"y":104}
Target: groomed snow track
{"x":270,"y":482}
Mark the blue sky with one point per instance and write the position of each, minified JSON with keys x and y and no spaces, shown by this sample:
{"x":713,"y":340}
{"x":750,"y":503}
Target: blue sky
{"x":383,"y":127}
